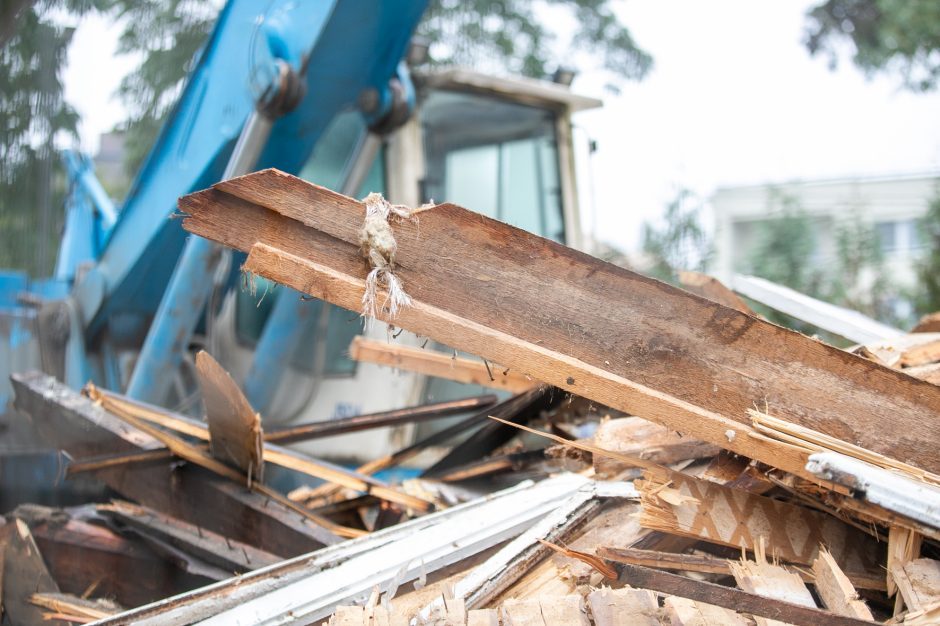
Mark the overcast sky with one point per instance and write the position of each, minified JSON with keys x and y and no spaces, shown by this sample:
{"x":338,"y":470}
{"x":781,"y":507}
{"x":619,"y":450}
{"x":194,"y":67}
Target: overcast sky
{"x":734,"y":98}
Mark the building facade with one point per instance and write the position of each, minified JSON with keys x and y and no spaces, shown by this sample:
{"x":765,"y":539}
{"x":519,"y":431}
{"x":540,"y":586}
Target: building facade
{"x":893,"y":205}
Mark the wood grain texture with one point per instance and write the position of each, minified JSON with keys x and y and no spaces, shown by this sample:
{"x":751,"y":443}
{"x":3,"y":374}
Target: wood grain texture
{"x":24,"y":573}
{"x":836,"y":590}
{"x":545,"y":611}
{"x":235,"y":434}
{"x":771,"y":581}
{"x":713,"y":289}
{"x":623,"y":607}
{"x":688,"y":506}
{"x":635,"y":436}
{"x":731,"y":598}
{"x":570,"y":320}
{"x":918,"y":583}
{"x":73,"y":423}
{"x":685,"y":612}
{"x":438,"y":364}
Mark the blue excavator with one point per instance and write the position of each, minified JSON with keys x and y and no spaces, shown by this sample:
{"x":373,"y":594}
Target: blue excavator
{"x":323,"y":90}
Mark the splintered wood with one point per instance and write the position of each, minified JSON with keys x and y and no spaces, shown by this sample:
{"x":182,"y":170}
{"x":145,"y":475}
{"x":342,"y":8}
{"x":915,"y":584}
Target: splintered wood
{"x":573,"y":321}
{"x":235,"y":434}
{"x":680,"y":504}
{"x":431,"y":363}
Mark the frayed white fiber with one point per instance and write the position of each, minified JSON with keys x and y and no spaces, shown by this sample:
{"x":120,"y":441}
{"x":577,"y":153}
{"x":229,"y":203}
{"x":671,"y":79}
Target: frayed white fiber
{"x":378,"y":245}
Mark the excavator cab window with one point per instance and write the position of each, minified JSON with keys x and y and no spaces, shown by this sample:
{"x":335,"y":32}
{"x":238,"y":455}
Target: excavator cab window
{"x":493,"y":156}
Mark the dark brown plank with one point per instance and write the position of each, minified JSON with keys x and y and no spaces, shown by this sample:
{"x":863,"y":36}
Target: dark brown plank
{"x":73,"y":423}
{"x":235,"y":434}
{"x":24,"y":573}
{"x":80,"y":555}
{"x":731,"y":598}
{"x":568,"y":319}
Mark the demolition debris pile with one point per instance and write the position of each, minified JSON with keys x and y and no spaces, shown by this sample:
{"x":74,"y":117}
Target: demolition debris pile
{"x":662,"y":458}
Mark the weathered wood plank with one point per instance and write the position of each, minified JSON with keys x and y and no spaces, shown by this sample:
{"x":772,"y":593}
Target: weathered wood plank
{"x":235,"y":433}
{"x":79,"y":555}
{"x":438,"y":364}
{"x":575,"y":322}
{"x":684,"y":505}
{"x":24,"y":573}
{"x":712,"y":289}
{"x":623,"y":607}
{"x":75,"y":424}
{"x":685,"y":612}
{"x":223,"y":552}
{"x":836,"y":590}
{"x":707,"y":564}
{"x":731,"y":598}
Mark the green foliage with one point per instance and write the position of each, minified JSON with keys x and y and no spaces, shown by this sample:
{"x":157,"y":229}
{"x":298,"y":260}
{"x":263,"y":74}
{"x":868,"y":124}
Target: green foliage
{"x":928,"y":267}
{"x":33,"y":114}
{"x":786,"y":253}
{"x":885,"y":35}
{"x":784,"y":248}
{"x":507,"y":33}
{"x":168,"y":33}
{"x":681,"y":244}
{"x":511,"y":33}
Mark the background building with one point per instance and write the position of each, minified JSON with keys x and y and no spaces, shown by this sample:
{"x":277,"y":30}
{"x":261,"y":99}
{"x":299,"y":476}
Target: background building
{"x":891,"y":204}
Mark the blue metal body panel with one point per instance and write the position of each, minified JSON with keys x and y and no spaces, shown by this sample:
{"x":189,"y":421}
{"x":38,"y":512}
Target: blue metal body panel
{"x":89,"y":217}
{"x":335,"y":74}
{"x":282,"y":333}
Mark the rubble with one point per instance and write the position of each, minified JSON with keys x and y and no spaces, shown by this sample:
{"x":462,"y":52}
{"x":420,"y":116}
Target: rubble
{"x":662,"y":459}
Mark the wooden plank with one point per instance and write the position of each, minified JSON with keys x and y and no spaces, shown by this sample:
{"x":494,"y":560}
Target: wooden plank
{"x":223,"y":552}
{"x":713,"y":289}
{"x":544,"y":611}
{"x":270,"y":453}
{"x":623,"y":607}
{"x":929,"y":323}
{"x":918,"y":583}
{"x":638,"y":437}
{"x":570,"y":320}
{"x":684,"y":505}
{"x":685,"y":612}
{"x":903,"y":547}
{"x":483,"y":617}
{"x":24,"y":573}
{"x":707,"y":564}
{"x":80,"y":555}
{"x":771,"y":581}
{"x":921,"y":355}
{"x":235,"y":434}
{"x":731,"y":598}
{"x":438,"y":364}
{"x":75,"y":424}
{"x":836,"y":590}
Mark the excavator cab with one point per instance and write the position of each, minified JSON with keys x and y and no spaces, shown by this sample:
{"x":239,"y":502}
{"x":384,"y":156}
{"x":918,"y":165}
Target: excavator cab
{"x":502,"y":146}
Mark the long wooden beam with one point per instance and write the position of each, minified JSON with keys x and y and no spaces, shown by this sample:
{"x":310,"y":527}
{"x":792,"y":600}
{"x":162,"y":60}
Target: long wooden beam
{"x":433,"y":363}
{"x":578,"y":323}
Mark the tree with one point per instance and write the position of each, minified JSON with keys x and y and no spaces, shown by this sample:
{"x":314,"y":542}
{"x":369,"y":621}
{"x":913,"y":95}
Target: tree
{"x":859,"y":280}
{"x":885,"y":35}
{"x":507,"y":33}
{"x":928,"y":267}
{"x":169,"y":33}
{"x":33,"y":115}
{"x":681,"y":244}
{"x":784,"y":247}
{"x":511,"y":33}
